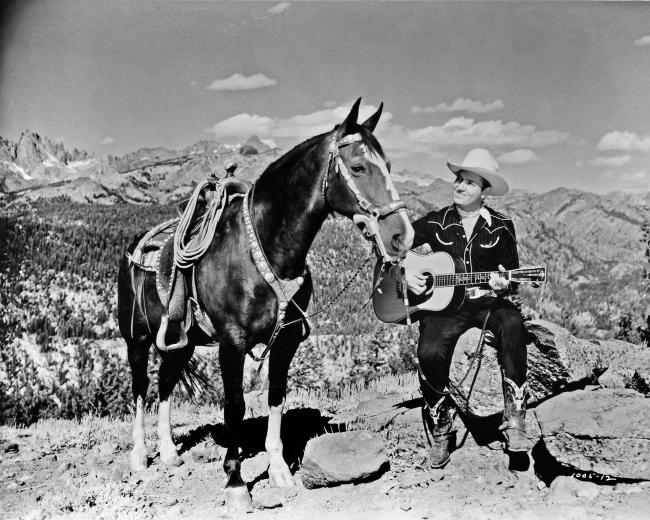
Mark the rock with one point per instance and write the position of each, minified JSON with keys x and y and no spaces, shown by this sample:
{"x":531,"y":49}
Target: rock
{"x":567,"y":489}
{"x":253,"y":467}
{"x":390,"y":408}
{"x":606,"y":431}
{"x":555,"y":358}
{"x":267,"y":499}
{"x":613,"y":378}
{"x":12,"y":447}
{"x":338,"y":458}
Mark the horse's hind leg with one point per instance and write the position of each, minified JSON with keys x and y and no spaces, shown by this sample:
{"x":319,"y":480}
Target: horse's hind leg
{"x":231,"y":360}
{"x":279,"y":361}
{"x":138,"y":352}
{"x":171,"y":367}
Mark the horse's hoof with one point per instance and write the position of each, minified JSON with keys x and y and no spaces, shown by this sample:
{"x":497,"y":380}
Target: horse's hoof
{"x":138,"y":460}
{"x":238,"y":499}
{"x":281,"y":479}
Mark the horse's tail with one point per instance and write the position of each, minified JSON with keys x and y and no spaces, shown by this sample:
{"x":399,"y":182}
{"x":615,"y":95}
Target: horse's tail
{"x":194,"y":380}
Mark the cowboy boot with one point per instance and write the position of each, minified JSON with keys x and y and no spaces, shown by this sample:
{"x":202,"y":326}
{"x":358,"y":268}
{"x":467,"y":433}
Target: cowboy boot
{"x":514,"y":416}
{"x":438,"y":423}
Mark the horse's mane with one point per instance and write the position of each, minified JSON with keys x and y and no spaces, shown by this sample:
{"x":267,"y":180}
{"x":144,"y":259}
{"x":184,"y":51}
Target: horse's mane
{"x":289,"y":158}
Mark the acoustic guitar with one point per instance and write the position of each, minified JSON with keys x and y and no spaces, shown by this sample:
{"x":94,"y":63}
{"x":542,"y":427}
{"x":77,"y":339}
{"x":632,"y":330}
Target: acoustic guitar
{"x":446,"y":283}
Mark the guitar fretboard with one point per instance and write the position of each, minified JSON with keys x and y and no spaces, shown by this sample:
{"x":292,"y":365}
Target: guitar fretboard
{"x":454,"y":279}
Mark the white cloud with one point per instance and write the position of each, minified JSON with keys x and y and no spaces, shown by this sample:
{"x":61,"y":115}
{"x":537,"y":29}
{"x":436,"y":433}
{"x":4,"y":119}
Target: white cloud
{"x":279,"y":8}
{"x":625,"y":141}
{"x":240,"y":82}
{"x":640,"y":175}
{"x":107,"y":141}
{"x":611,"y":162}
{"x":461,"y":105}
{"x":270,"y":143}
{"x":519,"y":156}
{"x":462,"y":131}
{"x":645,"y":40}
{"x":399,"y":142}
{"x":299,"y":126}
{"x":242,"y":125}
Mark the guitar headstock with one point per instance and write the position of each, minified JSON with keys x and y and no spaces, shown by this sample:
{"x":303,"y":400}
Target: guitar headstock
{"x":532,"y":274}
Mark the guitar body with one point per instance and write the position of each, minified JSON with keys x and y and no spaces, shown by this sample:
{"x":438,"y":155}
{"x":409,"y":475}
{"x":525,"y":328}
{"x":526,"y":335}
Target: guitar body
{"x":388,"y":300}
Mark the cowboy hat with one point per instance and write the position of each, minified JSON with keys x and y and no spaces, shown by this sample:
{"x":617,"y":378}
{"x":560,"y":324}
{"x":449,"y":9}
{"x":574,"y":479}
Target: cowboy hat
{"x":481,"y":162}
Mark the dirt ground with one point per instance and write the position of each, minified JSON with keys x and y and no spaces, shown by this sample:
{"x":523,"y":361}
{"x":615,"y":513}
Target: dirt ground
{"x":64,"y":469}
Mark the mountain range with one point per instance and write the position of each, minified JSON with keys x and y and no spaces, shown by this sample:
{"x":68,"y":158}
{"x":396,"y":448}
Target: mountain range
{"x":37,"y":167}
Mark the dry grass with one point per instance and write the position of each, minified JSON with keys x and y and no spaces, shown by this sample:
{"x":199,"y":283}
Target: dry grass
{"x":55,"y":435}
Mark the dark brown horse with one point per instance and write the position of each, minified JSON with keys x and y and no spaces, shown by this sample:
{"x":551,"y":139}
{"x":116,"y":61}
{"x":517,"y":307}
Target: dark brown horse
{"x":261,"y":239}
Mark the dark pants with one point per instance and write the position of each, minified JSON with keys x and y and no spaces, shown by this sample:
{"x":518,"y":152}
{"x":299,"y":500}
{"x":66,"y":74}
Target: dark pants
{"x":439,"y":333}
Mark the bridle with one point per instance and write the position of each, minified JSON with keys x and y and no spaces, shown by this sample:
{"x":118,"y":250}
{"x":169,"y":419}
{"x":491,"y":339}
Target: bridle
{"x":372,"y":213}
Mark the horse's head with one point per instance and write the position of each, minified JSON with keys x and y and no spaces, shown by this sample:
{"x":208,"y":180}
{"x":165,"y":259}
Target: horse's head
{"x":358,"y":185}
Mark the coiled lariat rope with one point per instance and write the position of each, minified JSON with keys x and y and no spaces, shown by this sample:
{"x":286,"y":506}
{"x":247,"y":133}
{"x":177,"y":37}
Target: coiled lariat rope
{"x":188,"y":249}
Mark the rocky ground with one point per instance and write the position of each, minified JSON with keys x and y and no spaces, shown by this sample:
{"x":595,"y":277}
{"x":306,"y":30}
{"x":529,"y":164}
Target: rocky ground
{"x":59,"y":469}
{"x":588,"y":425}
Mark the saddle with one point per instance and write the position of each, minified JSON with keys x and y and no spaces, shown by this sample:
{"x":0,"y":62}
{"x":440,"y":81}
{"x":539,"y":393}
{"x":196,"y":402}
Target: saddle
{"x":171,"y":250}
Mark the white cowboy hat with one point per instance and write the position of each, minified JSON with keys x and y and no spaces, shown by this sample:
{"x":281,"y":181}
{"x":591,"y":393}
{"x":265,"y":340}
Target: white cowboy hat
{"x":481,"y":162}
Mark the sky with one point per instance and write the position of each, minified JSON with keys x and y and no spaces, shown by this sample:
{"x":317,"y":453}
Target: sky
{"x":558,"y":91}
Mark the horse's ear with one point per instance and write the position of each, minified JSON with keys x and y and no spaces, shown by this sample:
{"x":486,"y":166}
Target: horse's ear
{"x":372,"y":121}
{"x":350,"y":122}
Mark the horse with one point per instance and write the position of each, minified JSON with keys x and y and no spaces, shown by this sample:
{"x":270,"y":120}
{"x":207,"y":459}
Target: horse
{"x":261,"y":243}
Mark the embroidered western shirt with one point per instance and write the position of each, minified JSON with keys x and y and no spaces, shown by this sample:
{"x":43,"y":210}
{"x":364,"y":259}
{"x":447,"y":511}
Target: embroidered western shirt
{"x":490,"y":244}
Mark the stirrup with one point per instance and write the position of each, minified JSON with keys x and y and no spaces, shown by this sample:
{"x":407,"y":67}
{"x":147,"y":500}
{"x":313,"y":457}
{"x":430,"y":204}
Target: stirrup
{"x":162,"y":332}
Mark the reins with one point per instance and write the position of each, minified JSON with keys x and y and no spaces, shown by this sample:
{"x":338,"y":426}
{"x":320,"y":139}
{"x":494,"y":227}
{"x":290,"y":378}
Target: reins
{"x":373,"y":214}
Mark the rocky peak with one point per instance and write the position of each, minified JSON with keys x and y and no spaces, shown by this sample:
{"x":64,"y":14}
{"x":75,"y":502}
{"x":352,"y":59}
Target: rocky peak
{"x":254,"y":145}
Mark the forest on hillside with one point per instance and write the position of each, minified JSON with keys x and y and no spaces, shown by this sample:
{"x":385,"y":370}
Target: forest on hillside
{"x":63,"y":355}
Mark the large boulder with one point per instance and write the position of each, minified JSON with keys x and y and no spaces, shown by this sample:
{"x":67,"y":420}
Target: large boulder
{"x":391,"y":408}
{"x":339,"y":458}
{"x":602,"y":430}
{"x":555,"y":359}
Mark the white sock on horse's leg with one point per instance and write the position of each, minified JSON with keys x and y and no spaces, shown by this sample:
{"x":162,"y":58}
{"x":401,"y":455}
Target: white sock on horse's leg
{"x":279,"y":473}
{"x":166,"y":448}
{"x":138,"y":456}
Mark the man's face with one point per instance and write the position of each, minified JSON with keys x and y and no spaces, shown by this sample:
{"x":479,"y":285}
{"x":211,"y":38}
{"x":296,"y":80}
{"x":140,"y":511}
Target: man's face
{"x":468,"y":189}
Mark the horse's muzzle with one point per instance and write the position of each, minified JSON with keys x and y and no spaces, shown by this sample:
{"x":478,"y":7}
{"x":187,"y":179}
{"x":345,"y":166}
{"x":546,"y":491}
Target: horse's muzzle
{"x":392,"y":235}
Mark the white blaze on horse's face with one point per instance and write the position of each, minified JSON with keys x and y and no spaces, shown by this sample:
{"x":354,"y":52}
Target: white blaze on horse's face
{"x":374,"y":158}
{"x":389,"y":227}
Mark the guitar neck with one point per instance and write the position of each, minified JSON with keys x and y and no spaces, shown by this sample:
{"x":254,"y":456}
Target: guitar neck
{"x":455,"y":279}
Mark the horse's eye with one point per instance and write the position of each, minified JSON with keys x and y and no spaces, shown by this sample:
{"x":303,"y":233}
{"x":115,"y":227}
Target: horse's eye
{"x":357,"y":169}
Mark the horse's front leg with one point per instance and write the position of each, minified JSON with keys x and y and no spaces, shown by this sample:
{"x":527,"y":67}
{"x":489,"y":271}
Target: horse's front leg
{"x":231,"y":361}
{"x":138,"y":352}
{"x":280,"y":358}
{"x":171,"y":367}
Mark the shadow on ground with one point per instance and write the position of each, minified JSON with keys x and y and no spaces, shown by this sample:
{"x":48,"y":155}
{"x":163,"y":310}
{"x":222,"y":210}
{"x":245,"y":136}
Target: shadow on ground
{"x":298,"y":426}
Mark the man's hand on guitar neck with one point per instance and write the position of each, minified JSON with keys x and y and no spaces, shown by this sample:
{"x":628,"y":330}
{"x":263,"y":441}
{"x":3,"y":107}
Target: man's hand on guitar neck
{"x":497,"y":282}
